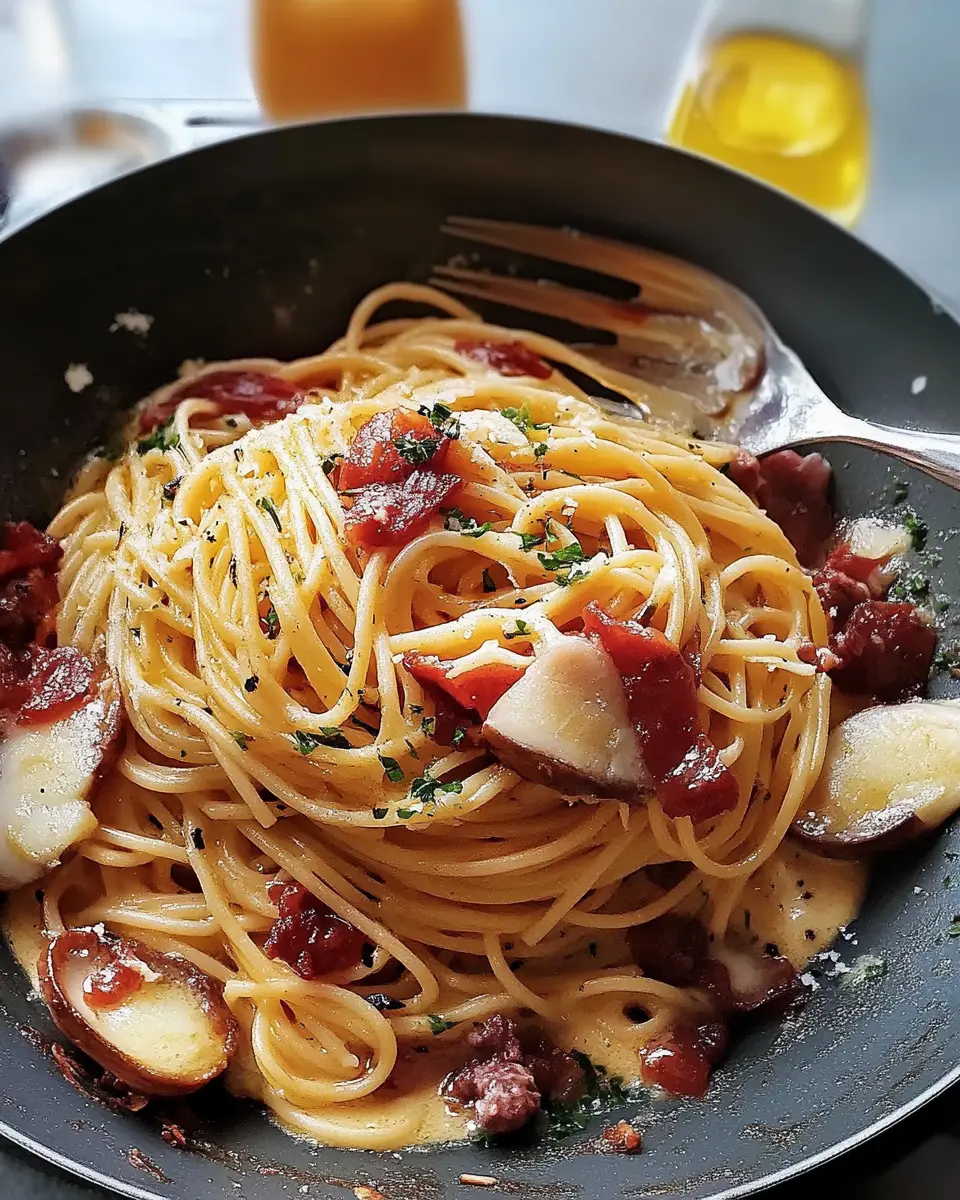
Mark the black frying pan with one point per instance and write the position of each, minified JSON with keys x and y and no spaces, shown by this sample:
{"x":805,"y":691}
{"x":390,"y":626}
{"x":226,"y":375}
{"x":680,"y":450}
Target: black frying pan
{"x":261,"y":246}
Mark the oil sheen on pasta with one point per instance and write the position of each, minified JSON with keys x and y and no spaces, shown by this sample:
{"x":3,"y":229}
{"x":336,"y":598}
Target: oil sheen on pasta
{"x":503,"y":896}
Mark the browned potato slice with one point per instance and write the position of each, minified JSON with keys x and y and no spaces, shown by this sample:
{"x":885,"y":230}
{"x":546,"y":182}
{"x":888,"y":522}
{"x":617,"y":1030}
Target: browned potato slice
{"x":166,"y":1035}
{"x":564,"y":723}
{"x":46,"y":775}
{"x":890,"y":774}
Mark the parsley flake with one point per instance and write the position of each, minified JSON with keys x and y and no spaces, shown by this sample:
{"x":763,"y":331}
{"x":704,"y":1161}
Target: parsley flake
{"x":391,"y":768}
{"x":329,"y":735}
{"x":442,"y":419}
{"x":528,"y":540}
{"x":522,"y":629}
{"x":563,"y":557}
{"x":270,"y":623}
{"x":164,"y":437}
{"x":522,"y":419}
{"x":917,"y":528}
{"x":416,"y":450}
{"x":241,"y":739}
{"x":270,"y":509}
{"x":456,"y":522}
{"x":438,"y":1025}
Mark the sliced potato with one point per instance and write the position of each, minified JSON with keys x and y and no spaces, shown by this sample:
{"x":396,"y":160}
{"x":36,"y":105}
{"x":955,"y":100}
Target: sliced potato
{"x":167,"y":1035}
{"x":46,"y":775}
{"x":565,"y":724}
{"x":891,"y":773}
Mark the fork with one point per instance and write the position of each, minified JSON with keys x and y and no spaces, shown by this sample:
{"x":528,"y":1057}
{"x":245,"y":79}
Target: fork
{"x":699,"y":348}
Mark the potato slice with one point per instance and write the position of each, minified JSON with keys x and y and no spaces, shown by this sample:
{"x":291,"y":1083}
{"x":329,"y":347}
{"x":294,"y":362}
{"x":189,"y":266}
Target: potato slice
{"x":565,"y":724}
{"x":46,"y":775}
{"x":890,"y":774}
{"x":168,"y":1034}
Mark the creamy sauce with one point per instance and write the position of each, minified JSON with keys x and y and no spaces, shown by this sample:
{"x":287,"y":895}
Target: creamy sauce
{"x":796,"y":893}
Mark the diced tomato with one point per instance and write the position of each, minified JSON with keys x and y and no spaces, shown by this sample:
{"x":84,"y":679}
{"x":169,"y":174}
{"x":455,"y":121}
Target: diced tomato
{"x":25,"y":546}
{"x":506,"y":358}
{"x":374,"y":458}
{"x":308,"y":936}
{"x":856,"y":566}
{"x":885,"y":651}
{"x":390,"y":514}
{"x":794,"y":492}
{"x":27,"y":603}
{"x":58,"y":682}
{"x":261,"y":397}
{"x":661,"y":690}
{"x":114,"y":983}
{"x":682,"y":1060}
{"x":476,"y":691}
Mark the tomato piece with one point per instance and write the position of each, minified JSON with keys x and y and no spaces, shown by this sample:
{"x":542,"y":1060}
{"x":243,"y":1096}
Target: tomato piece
{"x":58,"y":682}
{"x":375,"y":458}
{"x":661,"y":689}
{"x":390,"y":514}
{"x":681,"y":1061}
{"x":308,"y":937}
{"x":24,"y":547}
{"x":476,"y":690}
{"x":506,"y":358}
{"x":261,"y":397}
{"x":885,"y":650}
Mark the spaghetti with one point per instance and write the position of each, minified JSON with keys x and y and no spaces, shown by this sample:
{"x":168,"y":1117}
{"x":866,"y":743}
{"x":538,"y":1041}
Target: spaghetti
{"x":277,"y":734}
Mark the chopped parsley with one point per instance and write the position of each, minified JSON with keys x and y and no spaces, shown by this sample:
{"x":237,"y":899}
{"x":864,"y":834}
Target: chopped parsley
{"x":442,"y":419}
{"x":270,"y":623}
{"x":456,"y":522}
{"x":576,"y":572}
{"x":241,"y":739}
{"x":522,"y":629}
{"x":914,"y":587}
{"x":562,"y":558}
{"x":416,"y":450}
{"x":270,"y":509}
{"x":901,"y":490}
{"x":163,"y":437}
{"x":458,"y":735}
{"x":251,"y":683}
{"x":170,"y":489}
{"x":391,"y":768}
{"x":539,"y":450}
{"x":488,"y":583}
{"x":329,"y":735}
{"x":917,"y":529}
{"x":528,"y":540}
{"x":429,"y":726}
{"x":425,"y":788}
{"x":522,"y":419}
{"x":438,"y":1025}
{"x":379,"y":813}
{"x":866,"y":969}
{"x":601,"y":1091}
{"x":954,"y":930}
{"x":371,"y":729}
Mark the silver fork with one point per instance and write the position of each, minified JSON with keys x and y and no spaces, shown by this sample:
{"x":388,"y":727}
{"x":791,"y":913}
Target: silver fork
{"x":692,"y":339}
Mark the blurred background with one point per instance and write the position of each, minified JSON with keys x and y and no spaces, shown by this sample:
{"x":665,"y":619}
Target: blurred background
{"x":853,"y":106}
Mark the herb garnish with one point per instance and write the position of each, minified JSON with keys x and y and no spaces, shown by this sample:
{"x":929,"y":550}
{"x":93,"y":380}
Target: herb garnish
{"x":442,"y":419}
{"x":240,"y":738}
{"x":438,"y":1025}
{"x":563,"y":557}
{"x":379,"y":813}
{"x":458,"y":735}
{"x":424,"y":789}
{"x":954,"y":930}
{"x":416,"y":450}
{"x":901,"y":490}
{"x":522,"y":629}
{"x":163,"y":437}
{"x":391,"y":768}
{"x":601,"y":1091}
{"x":270,"y":623}
{"x":522,"y":419}
{"x":915,"y":587}
{"x":271,"y":509}
{"x":917,"y":529}
{"x":456,"y":522}
{"x":577,"y":572}
{"x":329,"y":735}
{"x":528,"y":540}
{"x":429,"y":726}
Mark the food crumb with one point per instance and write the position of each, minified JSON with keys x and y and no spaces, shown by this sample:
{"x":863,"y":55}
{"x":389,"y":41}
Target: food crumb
{"x":77,"y":377}
{"x":622,"y":1138}
{"x":132,"y":321}
{"x":367,"y":1193}
{"x":919,"y":385}
{"x":479,"y":1180}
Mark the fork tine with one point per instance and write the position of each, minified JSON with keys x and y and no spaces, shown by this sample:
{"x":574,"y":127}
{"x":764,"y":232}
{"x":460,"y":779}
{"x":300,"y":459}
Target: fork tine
{"x":668,"y":284}
{"x":544,"y":297}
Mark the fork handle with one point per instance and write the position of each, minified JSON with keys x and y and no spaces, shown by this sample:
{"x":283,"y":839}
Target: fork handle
{"x":936,"y":454}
